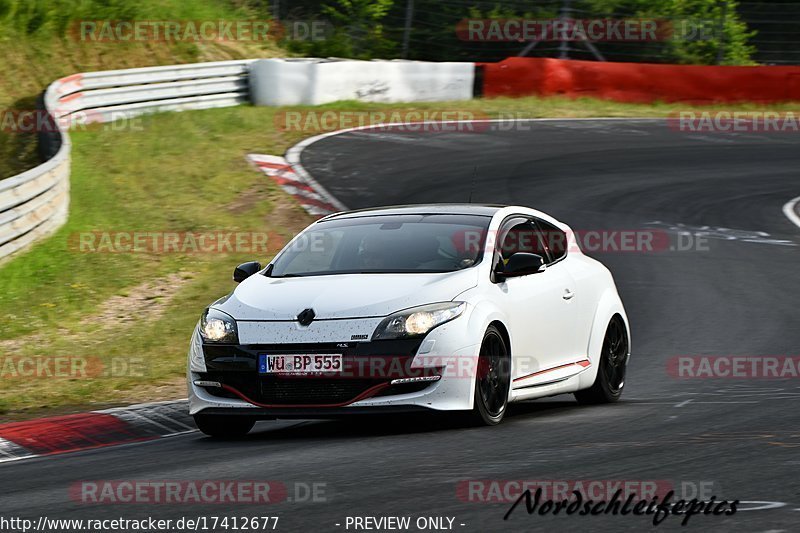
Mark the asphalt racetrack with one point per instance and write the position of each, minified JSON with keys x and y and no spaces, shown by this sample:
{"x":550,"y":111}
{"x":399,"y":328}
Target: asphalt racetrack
{"x":732,"y":292}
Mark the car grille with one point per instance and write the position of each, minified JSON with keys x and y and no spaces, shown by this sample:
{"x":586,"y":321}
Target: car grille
{"x":270,"y":390}
{"x":313,"y":391}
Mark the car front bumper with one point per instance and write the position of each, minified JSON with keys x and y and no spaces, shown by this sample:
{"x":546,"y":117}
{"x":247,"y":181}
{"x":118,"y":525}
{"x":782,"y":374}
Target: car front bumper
{"x":434,"y":373}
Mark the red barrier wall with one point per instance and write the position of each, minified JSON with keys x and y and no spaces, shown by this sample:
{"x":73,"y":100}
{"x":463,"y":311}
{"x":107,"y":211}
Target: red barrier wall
{"x":640,"y":82}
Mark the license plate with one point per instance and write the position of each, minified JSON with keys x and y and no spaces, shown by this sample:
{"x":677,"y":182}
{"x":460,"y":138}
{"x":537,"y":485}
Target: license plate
{"x":299,"y":363}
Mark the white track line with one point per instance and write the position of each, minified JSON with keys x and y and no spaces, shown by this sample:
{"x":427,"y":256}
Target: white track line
{"x":10,"y":451}
{"x":167,"y":403}
{"x":790,"y":210}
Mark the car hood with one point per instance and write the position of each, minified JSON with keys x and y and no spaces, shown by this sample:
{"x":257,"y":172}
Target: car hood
{"x":342,"y":295}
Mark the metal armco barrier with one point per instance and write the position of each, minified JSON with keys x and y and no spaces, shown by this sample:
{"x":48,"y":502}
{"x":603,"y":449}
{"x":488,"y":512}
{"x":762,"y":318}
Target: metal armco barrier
{"x":35,"y":203}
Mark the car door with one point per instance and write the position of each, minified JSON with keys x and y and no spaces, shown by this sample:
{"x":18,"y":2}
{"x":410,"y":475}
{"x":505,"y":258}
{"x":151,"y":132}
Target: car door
{"x":538,"y":305}
{"x":586,"y":293}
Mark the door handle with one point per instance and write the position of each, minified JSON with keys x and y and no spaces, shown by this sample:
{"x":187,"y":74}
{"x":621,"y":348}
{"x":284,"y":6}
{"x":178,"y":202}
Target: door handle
{"x":568,"y":294}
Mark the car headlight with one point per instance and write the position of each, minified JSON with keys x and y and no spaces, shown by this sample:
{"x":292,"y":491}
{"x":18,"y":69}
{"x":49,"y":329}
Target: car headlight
{"x":218,"y":327}
{"x":197,"y":361}
{"x":417,"y":321}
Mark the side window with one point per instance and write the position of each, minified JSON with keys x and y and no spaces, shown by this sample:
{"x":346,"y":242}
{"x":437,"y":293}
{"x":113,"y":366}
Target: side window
{"x":555,"y":240}
{"x":523,"y":236}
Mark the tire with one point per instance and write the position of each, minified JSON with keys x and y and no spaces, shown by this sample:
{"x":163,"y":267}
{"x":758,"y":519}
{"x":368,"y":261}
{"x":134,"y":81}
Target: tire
{"x":224,"y":427}
{"x":492,"y":380}
{"x":610,"y":380}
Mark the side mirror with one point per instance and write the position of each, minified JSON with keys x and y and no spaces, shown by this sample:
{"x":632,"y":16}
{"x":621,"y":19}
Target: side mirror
{"x":520,"y":264}
{"x":245,"y":270}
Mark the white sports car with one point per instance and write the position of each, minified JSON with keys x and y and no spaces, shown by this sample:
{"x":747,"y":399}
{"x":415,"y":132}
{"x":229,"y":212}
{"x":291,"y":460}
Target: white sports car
{"x":410,"y":308}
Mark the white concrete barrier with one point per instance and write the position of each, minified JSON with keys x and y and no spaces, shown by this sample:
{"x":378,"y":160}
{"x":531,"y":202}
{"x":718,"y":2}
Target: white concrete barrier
{"x":280,"y":82}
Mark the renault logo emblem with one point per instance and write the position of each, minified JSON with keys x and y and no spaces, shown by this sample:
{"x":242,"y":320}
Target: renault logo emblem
{"x":306,"y":317}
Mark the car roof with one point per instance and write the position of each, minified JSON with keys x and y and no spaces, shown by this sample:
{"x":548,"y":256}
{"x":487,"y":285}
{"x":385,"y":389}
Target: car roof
{"x":421,"y":209}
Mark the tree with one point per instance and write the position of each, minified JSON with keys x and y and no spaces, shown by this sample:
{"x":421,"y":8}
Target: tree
{"x":706,"y":31}
{"x":358,"y":31}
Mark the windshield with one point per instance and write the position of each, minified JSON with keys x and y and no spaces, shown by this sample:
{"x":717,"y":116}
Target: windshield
{"x":385,"y":244}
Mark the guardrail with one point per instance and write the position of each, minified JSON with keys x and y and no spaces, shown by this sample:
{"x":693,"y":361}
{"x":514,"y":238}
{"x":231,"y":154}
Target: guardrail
{"x":35,"y":203}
